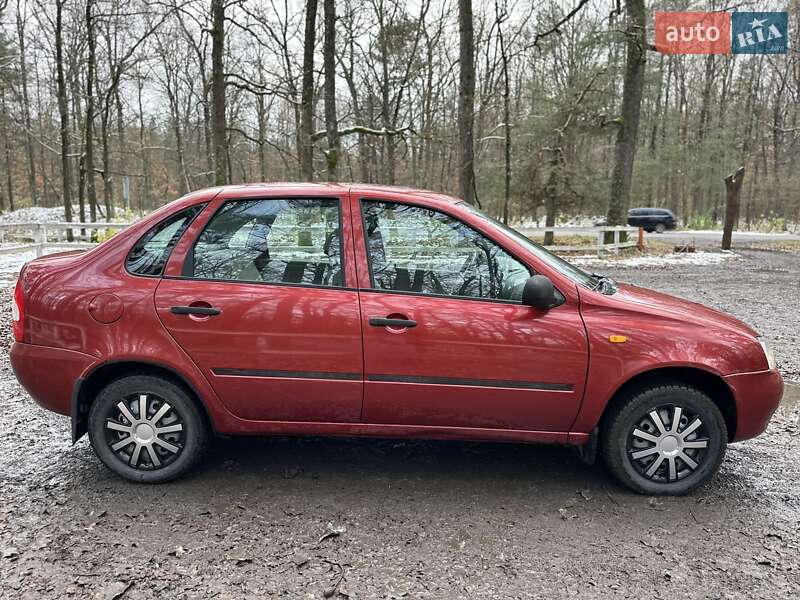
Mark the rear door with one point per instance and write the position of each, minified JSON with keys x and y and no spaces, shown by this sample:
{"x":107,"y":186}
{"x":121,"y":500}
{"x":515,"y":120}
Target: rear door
{"x":447,"y":341}
{"x":263,"y":302}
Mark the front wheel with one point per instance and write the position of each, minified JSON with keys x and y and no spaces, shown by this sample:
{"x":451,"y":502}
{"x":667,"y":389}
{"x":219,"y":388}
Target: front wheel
{"x":147,"y":429}
{"x":661,"y":228}
{"x":664,"y":439}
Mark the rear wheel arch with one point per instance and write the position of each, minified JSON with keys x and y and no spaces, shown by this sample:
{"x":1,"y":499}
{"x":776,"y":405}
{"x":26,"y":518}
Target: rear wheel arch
{"x":709,"y":383}
{"x":88,"y":387}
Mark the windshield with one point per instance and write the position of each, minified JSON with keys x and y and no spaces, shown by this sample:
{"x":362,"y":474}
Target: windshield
{"x":556,"y":262}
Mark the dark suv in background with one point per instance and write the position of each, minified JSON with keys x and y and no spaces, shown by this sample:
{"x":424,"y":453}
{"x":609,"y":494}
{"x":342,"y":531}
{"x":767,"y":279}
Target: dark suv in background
{"x":652,"y":219}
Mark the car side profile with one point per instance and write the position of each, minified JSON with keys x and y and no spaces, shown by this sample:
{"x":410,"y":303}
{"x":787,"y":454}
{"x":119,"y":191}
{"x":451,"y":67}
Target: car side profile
{"x":335,"y":310}
{"x":652,"y":219}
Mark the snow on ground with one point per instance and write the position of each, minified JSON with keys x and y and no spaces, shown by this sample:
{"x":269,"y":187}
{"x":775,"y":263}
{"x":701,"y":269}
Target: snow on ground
{"x":36,"y":214}
{"x":55,"y":214}
{"x":657,"y":260}
{"x":10,"y":265}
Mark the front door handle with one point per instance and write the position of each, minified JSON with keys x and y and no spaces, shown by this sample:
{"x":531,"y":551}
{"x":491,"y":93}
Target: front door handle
{"x":207,"y":311}
{"x":382,"y":322}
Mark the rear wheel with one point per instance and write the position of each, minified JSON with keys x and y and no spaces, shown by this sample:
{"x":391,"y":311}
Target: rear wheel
{"x":665,"y":439}
{"x":147,"y":429}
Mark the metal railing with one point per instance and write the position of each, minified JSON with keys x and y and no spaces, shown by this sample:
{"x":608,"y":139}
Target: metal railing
{"x":40,"y":237}
{"x":598,"y":233}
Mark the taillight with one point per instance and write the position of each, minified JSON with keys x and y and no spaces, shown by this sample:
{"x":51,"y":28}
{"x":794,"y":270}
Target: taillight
{"x":18,"y":313}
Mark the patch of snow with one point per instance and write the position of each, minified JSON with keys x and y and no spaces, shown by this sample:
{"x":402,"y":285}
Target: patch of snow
{"x":656,"y":260}
{"x":582,"y":221}
{"x":35,"y":214}
{"x":11,"y":264}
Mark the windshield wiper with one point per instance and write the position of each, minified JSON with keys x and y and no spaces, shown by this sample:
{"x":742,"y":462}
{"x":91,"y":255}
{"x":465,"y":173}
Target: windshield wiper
{"x":605,"y":284}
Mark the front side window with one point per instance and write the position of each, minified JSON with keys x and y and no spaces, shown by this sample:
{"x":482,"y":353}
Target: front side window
{"x":273,"y":240}
{"x":553,"y":261}
{"x":150,"y":254}
{"x":414,"y":249}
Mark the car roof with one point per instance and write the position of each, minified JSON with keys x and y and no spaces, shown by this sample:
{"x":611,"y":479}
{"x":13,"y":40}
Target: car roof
{"x":371,"y":190}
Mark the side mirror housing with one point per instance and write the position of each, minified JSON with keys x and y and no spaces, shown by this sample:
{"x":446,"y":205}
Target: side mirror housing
{"x":539,"y":292}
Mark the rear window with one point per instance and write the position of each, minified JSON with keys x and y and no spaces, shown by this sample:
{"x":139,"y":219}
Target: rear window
{"x":150,"y":254}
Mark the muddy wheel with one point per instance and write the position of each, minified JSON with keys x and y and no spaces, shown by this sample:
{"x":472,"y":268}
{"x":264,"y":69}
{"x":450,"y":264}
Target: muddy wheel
{"x":147,"y":429}
{"x":664,"y":439}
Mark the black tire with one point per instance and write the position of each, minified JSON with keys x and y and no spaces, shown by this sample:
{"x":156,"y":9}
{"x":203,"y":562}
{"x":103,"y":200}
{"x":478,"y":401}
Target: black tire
{"x":155,"y":461}
{"x":631,"y":418}
{"x":661,"y":228}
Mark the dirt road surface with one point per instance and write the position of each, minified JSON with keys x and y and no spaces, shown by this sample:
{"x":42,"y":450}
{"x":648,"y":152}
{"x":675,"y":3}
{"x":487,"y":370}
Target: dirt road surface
{"x":316,"y":518}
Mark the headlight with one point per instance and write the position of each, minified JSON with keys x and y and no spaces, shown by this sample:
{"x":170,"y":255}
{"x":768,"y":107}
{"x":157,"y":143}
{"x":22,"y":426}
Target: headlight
{"x":767,"y":352}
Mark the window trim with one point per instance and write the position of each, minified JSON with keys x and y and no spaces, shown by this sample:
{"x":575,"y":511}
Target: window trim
{"x":189,"y":258}
{"x":202,"y":205}
{"x":373,"y":289}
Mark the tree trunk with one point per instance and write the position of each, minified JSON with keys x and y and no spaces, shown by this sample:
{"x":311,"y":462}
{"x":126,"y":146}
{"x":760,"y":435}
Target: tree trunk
{"x":26,"y":107}
{"x":63,"y":110}
{"x":218,"y":133}
{"x":506,"y":122}
{"x":329,"y":63}
{"x":733,"y":186}
{"x":466,"y":103}
{"x":551,"y":191}
{"x":88,"y":161}
{"x":261,"y":114}
{"x":9,"y":161}
{"x":307,"y":94}
{"x":144,"y":194}
{"x":633,"y":83}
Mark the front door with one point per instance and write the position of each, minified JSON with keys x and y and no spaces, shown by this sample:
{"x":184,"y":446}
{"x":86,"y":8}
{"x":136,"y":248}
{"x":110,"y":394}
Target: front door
{"x":447,"y":341}
{"x":262,"y":308}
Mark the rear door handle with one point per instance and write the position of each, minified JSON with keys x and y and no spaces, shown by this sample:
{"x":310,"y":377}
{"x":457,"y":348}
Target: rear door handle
{"x":195,"y":310}
{"x":381,"y":322}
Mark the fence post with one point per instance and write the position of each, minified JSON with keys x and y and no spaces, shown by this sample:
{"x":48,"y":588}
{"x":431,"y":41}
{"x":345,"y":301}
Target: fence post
{"x":616,"y":240}
{"x":600,"y":235}
{"x":37,"y":237}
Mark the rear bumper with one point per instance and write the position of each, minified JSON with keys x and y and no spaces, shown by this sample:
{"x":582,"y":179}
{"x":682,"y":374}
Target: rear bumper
{"x":757,"y":396}
{"x":49,"y":374}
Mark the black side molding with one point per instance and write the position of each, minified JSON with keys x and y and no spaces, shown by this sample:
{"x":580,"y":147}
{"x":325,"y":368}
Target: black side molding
{"x":489,"y":383}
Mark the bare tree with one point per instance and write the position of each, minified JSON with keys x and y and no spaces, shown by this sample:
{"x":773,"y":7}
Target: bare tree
{"x":329,"y":63}
{"x":466,"y":102}
{"x":307,"y":91}
{"x":63,"y":111}
{"x":26,"y":106}
{"x":628,"y":128}
{"x":218,"y":126}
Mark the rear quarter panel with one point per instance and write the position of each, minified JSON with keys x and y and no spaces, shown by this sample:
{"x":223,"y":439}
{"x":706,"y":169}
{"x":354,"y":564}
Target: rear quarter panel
{"x":59,"y":291}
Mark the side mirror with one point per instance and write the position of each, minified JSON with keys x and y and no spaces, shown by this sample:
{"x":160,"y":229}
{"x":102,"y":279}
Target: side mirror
{"x":539,"y":292}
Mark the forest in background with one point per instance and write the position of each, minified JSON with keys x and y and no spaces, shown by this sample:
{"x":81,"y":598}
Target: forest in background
{"x":112,"y":105}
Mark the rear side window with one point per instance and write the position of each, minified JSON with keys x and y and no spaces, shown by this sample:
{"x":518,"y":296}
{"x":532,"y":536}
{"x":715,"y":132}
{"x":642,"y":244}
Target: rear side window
{"x":150,"y":254}
{"x":293,"y":240}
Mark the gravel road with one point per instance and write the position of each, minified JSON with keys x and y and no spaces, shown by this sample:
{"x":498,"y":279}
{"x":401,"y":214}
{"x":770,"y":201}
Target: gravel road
{"x":315,"y":518}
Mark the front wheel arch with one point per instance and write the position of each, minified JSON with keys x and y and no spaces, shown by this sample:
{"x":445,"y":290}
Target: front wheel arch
{"x":86,"y":389}
{"x":709,"y":383}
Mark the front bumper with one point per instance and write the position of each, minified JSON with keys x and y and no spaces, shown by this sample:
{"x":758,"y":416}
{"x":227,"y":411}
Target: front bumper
{"x":757,"y":396}
{"x":49,"y":374}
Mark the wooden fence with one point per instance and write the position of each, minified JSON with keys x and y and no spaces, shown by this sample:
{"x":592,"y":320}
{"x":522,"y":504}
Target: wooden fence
{"x":41,"y":237}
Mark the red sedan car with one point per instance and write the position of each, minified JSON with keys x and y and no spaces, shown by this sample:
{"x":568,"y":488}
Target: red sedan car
{"x":375,"y":311}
